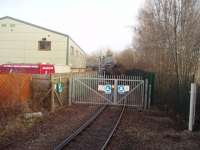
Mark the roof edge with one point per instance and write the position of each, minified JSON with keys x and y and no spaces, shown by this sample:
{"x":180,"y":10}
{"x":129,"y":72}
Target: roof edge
{"x":34,"y":25}
{"x":77,"y":45}
{"x":40,"y":27}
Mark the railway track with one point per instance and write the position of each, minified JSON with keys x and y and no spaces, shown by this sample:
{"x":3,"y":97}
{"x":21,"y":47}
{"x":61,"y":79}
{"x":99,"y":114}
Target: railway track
{"x":96,"y":132}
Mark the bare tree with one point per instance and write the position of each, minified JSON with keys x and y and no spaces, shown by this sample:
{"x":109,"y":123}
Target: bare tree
{"x":127,"y":58}
{"x":168,"y":39}
{"x":100,"y":57}
{"x":92,"y":60}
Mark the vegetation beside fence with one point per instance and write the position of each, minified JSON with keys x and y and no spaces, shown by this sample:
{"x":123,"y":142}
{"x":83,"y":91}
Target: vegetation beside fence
{"x":20,"y":93}
{"x":15,"y":94}
{"x":41,"y":85}
{"x":166,"y":40}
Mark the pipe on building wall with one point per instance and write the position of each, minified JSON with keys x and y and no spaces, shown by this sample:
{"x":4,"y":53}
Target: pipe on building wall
{"x":67,"y":57}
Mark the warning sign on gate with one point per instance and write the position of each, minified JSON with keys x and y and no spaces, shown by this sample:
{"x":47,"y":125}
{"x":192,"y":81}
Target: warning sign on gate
{"x":120,"y":89}
{"x":100,"y":87}
{"x":59,"y":87}
{"x":126,"y":88}
{"x":108,"y":89}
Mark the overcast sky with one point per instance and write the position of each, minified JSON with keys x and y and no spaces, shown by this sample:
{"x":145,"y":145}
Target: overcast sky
{"x":93,"y":24}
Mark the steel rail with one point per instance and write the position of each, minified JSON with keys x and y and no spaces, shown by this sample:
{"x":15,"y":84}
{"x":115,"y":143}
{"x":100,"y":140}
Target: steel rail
{"x":86,"y":124}
{"x":80,"y":129}
{"x":114,"y":128}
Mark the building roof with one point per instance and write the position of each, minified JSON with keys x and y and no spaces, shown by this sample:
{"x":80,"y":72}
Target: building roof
{"x":37,"y":26}
{"x":8,"y":17}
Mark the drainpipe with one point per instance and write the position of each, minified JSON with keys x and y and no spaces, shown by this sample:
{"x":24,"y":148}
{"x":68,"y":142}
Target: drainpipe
{"x":67,"y":57}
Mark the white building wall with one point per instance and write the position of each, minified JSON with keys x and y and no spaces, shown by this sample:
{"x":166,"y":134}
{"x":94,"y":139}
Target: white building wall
{"x":19,"y":44}
{"x":77,"y":57}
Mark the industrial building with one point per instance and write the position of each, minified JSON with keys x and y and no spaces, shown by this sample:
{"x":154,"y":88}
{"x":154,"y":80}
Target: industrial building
{"x":23,"y":42}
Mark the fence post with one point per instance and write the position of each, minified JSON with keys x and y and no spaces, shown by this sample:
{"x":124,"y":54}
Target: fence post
{"x":60,"y":83}
{"x":146,"y":94}
{"x":192,"y":106}
{"x":52,"y":93}
{"x":73,"y":88}
{"x":149,"y":97}
{"x":70,"y":91}
{"x":115,"y":91}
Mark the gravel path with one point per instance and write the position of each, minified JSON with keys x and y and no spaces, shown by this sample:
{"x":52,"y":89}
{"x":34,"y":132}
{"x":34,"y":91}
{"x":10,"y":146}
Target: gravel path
{"x":152,"y":131}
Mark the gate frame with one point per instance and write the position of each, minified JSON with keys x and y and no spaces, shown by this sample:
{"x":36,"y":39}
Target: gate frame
{"x":146,"y":97}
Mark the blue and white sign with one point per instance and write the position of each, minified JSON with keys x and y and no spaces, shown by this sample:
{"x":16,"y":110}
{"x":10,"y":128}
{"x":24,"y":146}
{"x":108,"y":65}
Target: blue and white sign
{"x":59,"y":87}
{"x":108,"y":89}
{"x":120,"y":89}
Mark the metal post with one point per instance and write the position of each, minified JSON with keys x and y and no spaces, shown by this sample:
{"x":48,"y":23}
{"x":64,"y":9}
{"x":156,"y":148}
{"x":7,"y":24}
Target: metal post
{"x":70,"y":91}
{"x":192,"y":106}
{"x":52,"y":94}
{"x":115,"y":91}
{"x":60,"y":83}
{"x":149,"y":99}
{"x":146,"y":94}
{"x":73,"y":89}
{"x":99,"y":64}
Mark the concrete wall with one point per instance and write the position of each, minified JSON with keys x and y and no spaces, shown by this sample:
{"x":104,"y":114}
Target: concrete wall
{"x":77,"y":57}
{"x":19,"y":44}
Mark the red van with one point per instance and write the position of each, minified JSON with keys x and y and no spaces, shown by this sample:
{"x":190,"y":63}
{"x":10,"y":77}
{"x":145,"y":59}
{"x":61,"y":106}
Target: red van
{"x":28,"y":68}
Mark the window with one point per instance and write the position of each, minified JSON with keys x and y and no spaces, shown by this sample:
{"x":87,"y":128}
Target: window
{"x":3,"y":25}
{"x":72,"y":50}
{"x":12,"y":25}
{"x":44,"y":45}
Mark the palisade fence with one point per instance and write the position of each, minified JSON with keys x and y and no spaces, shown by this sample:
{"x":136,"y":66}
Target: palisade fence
{"x":53,"y":91}
{"x":197,"y":108}
{"x":36,"y":92}
{"x":122,"y":90}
